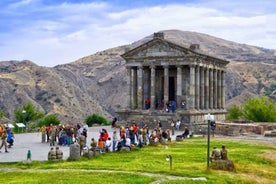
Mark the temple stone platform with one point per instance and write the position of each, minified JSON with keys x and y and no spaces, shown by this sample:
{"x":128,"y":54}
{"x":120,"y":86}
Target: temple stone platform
{"x":187,"y":118}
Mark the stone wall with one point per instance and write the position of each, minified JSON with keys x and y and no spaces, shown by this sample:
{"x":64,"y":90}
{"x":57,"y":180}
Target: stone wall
{"x":243,"y":128}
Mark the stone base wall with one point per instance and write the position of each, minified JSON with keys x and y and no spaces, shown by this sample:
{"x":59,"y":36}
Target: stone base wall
{"x":188,"y":118}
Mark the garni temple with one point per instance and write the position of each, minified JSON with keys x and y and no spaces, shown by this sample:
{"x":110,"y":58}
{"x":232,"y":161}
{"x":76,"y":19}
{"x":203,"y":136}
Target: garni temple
{"x":168,"y":81}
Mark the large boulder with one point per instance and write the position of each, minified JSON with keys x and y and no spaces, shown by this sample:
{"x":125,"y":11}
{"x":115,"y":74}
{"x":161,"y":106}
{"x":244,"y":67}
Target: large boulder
{"x":227,"y":165}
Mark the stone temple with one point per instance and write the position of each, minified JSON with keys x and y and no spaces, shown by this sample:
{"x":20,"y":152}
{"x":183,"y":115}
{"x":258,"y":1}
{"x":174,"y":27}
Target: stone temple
{"x":163,"y":74}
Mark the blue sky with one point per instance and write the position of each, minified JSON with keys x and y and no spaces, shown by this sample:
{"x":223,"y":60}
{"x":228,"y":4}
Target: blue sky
{"x":52,"y":32}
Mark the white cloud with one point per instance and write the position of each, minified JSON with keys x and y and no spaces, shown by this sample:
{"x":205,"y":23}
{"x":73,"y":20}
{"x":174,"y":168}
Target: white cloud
{"x":68,"y":32}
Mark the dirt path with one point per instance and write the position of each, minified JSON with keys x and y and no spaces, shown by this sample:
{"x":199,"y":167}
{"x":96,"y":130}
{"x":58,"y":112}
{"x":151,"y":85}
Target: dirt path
{"x":159,"y":177}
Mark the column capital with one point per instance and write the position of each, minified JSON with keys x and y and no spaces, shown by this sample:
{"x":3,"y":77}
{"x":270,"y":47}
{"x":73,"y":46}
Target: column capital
{"x":152,"y":66}
{"x":165,"y":66}
{"x":192,"y":65}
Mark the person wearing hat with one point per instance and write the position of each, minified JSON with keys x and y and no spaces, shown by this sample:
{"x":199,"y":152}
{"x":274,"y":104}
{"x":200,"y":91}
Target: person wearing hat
{"x":223,"y":153}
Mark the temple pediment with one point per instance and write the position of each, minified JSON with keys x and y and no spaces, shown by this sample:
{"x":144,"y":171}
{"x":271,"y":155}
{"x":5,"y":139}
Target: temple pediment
{"x":158,"y":48}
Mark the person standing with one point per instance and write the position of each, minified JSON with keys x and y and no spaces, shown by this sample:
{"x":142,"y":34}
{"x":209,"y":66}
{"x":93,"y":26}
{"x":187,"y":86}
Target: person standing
{"x":147,"y":103}
{"x":53,"y":136}
{"x":159,"y":124}
{"x":101,"y":145}
{"x":183,"y":105}
{"x":114,"y":123}
{"x":4,"y":142}
{"x":49,"y":128}
{"x":173,"y":106}
{"x":114,"y":142}
{"x":172,"y":127}
{"x":223,"y":153}
{"x":81,"y":142}
{"x":177,"y":126}
{"x":43,"y":131}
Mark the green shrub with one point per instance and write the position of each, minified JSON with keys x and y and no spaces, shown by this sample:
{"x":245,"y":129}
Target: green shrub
{"x":96,"y":119}
{"x":260,"y":110}
{"x":50,"y":119}
{"x":234,"y":113}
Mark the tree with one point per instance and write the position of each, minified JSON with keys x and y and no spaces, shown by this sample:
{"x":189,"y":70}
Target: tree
{"x":50,"y":119}
{"x":2,"y":114}
{"x":96,"y":119}
{"x":27,"y":113}
{"x":234,"y":112}
{"x":259,"y":110}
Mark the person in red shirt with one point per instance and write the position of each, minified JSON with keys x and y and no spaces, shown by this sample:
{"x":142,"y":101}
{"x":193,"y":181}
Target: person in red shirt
{"x":147,"y":102}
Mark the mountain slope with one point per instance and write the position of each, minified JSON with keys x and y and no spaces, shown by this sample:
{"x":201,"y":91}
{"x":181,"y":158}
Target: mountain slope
{"x":97,"y":83}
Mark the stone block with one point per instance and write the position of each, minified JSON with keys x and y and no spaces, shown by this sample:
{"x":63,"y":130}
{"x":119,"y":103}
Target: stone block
{"x":74,"y":152}
{"x":227,"y":165}
{"x":125,"y":149}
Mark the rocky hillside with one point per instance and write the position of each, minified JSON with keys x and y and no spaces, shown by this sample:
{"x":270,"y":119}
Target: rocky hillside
{"x":97,"y":83}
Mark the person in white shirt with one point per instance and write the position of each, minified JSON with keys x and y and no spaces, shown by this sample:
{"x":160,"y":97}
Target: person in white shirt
{"x":128,"y":143}
{"x":177,"y":125}
{"x":108,"y":145}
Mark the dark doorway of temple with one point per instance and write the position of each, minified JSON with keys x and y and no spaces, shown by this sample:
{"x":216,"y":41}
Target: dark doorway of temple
{"x":171,"y":89}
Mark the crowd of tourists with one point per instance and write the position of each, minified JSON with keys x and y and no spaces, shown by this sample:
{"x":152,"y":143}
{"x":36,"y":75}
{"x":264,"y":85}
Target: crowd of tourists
{"x":63,"y":135}
{"x":121,"y":137}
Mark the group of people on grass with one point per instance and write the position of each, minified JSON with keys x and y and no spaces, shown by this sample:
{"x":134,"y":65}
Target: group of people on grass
{"x":127,"y":136}
{"x":131,"y":135}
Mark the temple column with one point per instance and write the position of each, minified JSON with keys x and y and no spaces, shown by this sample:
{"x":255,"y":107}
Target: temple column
{"x":166,"y":84}
{"x":211,"y":88}
{"x":134,"y":88}
{"x":219,"y":90}
{"x":223,"y":90}
{"x":152,"y":87}
{"x":215,"y":89}
{"x":202,"y":100}
{"x":129,"y":84}
{"x":197,"y":87}
{"x":140,"y":87}
{"x":191,"y":102}
{"x":179,"y":85}
{"x":206,"y":73}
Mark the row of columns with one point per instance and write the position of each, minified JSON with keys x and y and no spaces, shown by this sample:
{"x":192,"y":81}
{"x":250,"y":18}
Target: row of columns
{"x":206,"y":88}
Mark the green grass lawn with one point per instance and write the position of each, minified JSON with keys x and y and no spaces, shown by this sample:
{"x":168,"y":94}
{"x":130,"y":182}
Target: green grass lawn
{"x":254,"y":162}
